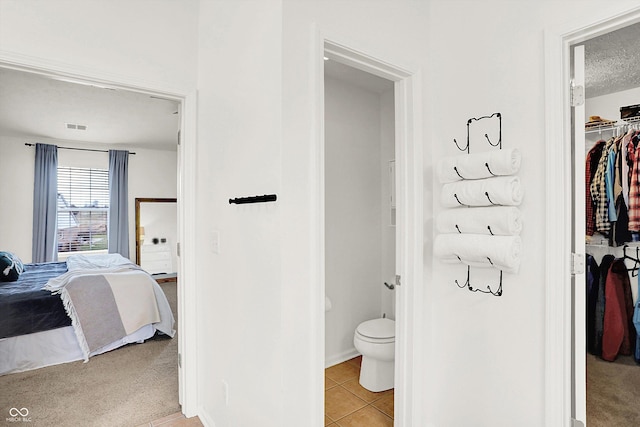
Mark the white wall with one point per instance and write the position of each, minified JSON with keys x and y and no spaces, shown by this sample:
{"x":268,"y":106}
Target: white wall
{"x":387,"y":153}
{"x":488,"y":366}
{"x":354,"y":212}
{"x":152,"y":173}
{"x":608,"y":106}
{"x":143,"y":40}
{"x":394,"y":31}
{"x":239,"y":154}
{"x":255,"y":136}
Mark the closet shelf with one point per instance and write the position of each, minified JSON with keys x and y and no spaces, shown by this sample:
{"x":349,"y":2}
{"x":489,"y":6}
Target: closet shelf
{"x":615,"y":126}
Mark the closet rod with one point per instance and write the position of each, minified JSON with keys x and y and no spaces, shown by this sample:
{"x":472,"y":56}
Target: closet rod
{"x":78,"y":149}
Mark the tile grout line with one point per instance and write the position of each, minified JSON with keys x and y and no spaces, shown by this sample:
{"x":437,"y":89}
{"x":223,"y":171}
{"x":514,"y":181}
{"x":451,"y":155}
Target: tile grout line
{"x":361,"y":408}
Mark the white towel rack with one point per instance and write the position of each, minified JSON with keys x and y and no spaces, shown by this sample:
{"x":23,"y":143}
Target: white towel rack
{"x":487,"y":289}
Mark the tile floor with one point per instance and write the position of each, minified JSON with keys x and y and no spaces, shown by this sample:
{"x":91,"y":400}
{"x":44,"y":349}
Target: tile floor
{"x":348,"y":404}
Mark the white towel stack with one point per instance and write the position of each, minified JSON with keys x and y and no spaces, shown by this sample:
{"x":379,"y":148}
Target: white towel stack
{"x":503,"y":190}
{"x":477,"y":250}
{"x":483,"y":224}
{"x":497,"y":220}
{"x":478,"y":166}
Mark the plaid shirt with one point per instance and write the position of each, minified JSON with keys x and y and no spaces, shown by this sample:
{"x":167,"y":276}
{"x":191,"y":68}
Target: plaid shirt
{"x":599,"y":192}
{"x":593,"y":157}
{"x":634,"y":187}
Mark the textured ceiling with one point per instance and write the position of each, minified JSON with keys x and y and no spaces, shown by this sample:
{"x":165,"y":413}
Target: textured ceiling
{"x":612,"y":62}
{"x":35,"y":106}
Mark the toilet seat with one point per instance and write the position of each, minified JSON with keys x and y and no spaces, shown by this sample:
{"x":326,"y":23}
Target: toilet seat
{"x":380,"y":331}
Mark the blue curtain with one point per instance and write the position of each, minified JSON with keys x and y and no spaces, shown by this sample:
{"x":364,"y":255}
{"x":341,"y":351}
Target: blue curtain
{"x":119,"y":202}
{"x":45,"y":197}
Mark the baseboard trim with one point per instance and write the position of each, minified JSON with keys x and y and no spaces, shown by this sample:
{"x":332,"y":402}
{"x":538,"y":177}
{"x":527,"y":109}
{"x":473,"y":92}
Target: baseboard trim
{"x":205,"y":418}
{"x":342,"y":357}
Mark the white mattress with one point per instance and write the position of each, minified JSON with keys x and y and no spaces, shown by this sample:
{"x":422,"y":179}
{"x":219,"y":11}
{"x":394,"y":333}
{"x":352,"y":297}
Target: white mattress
{"x":40,"y":349}
{"x":33,"y":351}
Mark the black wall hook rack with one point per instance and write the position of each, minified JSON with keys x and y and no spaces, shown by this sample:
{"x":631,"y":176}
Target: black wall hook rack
{"x":254,"y":199}
{"x":498,"y":144}
{"x":467,"y":284}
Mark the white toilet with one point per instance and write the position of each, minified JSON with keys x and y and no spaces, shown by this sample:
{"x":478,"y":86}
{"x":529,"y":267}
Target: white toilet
{"x":375,"y":340}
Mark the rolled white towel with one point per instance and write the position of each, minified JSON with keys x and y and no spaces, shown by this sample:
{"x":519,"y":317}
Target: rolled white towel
{"x":479,"y":166}
{"x":476,"y":250}
{"x":497,"y":220}
{"x":502,"y":190}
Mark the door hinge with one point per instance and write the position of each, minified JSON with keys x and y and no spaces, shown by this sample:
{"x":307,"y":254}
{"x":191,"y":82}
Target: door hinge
{"x":576,"y":95}
{"x":178,"y":248}
{"x":179,"y":360}
{"x":577,"y":263}
{"x":398,"y":280}
{"x":576,"y":423}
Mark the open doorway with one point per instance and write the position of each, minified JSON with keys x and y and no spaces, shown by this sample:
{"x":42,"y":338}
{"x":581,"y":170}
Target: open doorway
{"x":605,"y":138}
{"x":565,"y":381}
{"x":360,"y":240}
{"x":409,"y":184}
{"x":14,"y":139}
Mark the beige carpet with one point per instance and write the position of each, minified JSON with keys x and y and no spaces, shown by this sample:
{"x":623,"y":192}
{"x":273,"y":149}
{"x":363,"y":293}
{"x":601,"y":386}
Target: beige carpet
{"x":129,"y":386}
{"x":613,"y":392}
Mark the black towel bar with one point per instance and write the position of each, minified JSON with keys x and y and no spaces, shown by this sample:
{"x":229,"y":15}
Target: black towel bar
{"x":254,"y":199}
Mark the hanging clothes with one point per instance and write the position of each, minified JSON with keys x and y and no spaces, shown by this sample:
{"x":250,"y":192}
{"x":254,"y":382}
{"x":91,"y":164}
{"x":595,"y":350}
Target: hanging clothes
{"x":599,"y":192}
{"x":634,"y":187}
{"x":612,"y":191}
{"x":636,"y":323}
{"x":593,"y":158}
{"x":593,"y":283}
{"x":605,"y":264}
{"x":618,"y":337}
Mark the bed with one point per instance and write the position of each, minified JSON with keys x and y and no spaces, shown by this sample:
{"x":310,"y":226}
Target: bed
{"x":67,"y":311}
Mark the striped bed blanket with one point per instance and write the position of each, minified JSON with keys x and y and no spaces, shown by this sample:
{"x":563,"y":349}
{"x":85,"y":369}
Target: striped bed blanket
{"x":108,"y":300}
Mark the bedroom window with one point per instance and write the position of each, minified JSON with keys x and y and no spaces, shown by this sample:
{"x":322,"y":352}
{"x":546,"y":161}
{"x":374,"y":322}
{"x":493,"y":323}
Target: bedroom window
{"x":83,"y":208}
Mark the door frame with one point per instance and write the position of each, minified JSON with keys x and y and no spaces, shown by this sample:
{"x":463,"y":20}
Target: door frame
{"x":186,"y":178}
{"x":559,"y":175}
{"x":409,"y":218}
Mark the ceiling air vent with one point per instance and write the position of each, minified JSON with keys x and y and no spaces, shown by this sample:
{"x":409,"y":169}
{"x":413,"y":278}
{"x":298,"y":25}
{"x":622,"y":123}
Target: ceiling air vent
{"x":75,"y":126}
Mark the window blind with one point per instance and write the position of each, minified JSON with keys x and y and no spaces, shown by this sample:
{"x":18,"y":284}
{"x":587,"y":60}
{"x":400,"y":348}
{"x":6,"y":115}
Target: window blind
{"x":83,"y":208}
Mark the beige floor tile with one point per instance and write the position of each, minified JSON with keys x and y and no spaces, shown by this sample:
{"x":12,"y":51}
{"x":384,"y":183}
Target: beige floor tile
{"x":343,"y":372}
{"x":368,"y":396}
{"x":385,"y":403}
{"x":339,"y":402}
{"x":329,"y":383}
{"x":327,"y":421}
{"x":366,"y":417}
{"x":356,"y":361}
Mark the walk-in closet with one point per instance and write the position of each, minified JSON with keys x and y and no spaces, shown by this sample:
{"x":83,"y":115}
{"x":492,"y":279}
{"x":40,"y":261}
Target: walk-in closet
{"x":612,"y":219}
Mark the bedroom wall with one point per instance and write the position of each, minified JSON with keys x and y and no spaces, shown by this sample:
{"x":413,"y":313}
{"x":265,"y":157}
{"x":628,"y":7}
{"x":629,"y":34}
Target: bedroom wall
{"x":152,"y":173}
